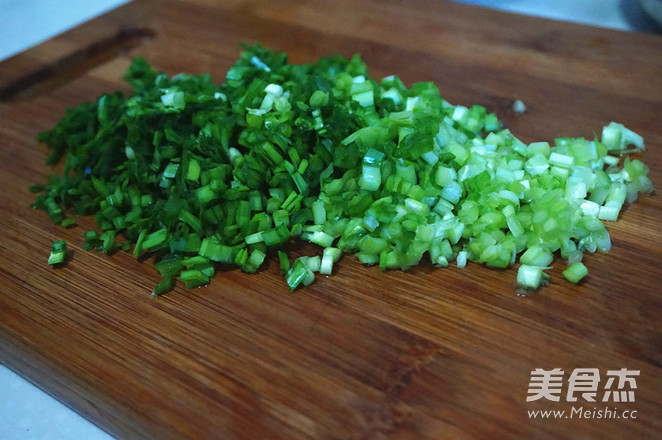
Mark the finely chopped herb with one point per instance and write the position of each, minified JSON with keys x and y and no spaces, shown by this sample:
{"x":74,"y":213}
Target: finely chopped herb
{"x":199,"y":175}
{"x":58,"y":254}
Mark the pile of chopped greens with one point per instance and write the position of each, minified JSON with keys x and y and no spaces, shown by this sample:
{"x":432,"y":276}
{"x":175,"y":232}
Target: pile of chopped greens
{"x":200,"y":175}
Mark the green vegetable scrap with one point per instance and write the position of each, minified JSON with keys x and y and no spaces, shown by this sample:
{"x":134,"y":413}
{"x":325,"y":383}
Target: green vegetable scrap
{"x":58,"y":253}
{"x":200,"y":175}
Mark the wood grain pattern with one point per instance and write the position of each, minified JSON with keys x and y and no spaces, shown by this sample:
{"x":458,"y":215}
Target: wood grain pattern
{"x":428,"y":354}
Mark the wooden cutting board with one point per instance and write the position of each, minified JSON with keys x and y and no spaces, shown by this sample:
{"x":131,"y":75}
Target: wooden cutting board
{"x":427,"y":354}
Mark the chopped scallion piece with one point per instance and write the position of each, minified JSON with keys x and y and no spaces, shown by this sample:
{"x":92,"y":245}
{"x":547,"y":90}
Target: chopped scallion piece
{"x":575,"y":272}
{"x":58,"y":252}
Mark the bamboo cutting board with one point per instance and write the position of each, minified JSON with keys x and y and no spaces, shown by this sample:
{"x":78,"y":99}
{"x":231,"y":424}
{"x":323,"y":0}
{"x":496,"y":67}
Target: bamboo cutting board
{"x":427,"y":354}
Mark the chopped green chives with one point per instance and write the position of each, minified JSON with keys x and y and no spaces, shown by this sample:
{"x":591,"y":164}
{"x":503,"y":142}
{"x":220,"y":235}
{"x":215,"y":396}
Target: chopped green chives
{"x":530,"y":277}
{"x":284,"y":262}
{"x":194,"y":278}
{"x":536,"y":255}
{"x":576,"y":272}
{"x":58,"y":252}
{"x":313,"y":263}
{"x":256,"y":259}
{"x":198,"y":174}
{"x":319,"y":212}
{"x":137,"y":250}
{"x":191,"y":220}
{"x":330,"y":256}
{"x":318,"y":98}
{"x":193,"y":170}
{"x":298,"y":274}
{"x":155,"y":238}
{"x":321,"y":238}
{"x":67,"y":222}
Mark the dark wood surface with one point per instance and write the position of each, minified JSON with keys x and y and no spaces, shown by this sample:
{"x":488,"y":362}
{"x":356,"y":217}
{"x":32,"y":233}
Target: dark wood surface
{"x":427,"y":354}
